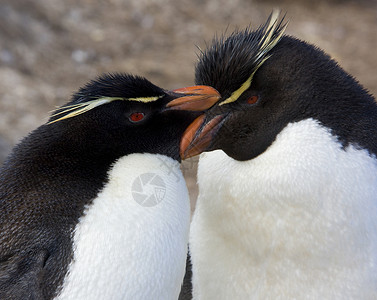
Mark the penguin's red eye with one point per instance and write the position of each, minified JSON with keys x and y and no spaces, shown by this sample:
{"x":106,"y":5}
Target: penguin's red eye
{"x":136,"y":117}
{"x":252,"y":100}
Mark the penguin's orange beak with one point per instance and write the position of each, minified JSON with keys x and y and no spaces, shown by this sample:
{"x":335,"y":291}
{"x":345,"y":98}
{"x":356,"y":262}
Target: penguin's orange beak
{"x":194,"y":98}
{"x":198,"y":136}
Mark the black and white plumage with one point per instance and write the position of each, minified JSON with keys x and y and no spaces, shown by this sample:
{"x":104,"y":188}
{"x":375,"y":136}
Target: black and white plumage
{"x":70,"y":227}
{"x":287,"y":205}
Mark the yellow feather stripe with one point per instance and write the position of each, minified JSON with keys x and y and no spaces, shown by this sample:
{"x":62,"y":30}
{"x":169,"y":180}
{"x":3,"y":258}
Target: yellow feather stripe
{"x":235,"y":95}
{"x":270,"y":28}
{"x":80,"y":108}
{"x":267,"y":43}
{"x":144,"y":99}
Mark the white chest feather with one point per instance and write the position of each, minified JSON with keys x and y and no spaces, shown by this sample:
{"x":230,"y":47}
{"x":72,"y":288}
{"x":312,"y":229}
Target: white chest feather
{"x":297,"y":222}
{"x":131,"y":242}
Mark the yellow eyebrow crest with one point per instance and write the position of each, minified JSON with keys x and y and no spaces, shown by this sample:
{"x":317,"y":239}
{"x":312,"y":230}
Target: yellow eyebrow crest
{"x":236,"y":94}
{"x":272,"y":36}
{"x":144,"y":99}
{"x":80,"y":108}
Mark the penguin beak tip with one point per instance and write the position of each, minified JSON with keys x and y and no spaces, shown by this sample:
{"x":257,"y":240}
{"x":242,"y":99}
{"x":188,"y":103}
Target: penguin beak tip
{"x":199,"y":136}
{"x":194,"y":98}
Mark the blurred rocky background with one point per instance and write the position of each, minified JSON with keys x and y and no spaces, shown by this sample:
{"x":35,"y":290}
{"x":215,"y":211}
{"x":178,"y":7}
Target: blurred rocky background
{"x":49,"y":48}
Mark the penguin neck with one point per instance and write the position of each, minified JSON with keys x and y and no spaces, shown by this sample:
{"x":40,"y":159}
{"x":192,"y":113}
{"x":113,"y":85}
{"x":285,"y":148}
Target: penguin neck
{"x":131,"y":241}
{"x":296,"y":221}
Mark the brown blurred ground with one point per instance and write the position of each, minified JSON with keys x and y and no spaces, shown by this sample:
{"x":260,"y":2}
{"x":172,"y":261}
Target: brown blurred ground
{"x":49,"y":48}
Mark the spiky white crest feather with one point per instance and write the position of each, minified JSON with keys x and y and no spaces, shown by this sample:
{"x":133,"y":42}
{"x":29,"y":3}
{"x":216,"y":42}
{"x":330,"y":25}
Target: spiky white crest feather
{"x":231,"y":61}
{"x":272,"y":34}
{"x":80,"y":108}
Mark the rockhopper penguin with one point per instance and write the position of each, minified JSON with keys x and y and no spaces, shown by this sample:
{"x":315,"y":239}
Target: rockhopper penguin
{"x":76,"y":221}
{"x":287,"y":209}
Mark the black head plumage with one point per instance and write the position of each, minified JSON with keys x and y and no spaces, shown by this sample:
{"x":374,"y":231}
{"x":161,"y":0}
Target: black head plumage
{"x":231,"y":60}
{"x":118,"y":85}
{"x":108,"y":88}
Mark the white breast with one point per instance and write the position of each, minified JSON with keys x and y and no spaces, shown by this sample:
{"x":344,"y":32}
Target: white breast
{"x":297,"y":222}
{"x":127,"y":246}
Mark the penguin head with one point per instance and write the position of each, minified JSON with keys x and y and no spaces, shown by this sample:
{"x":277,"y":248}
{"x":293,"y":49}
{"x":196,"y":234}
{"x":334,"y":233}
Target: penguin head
{"x":121,"y":114}
{"x":266,"y":81}
{"x":233,"y":66}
